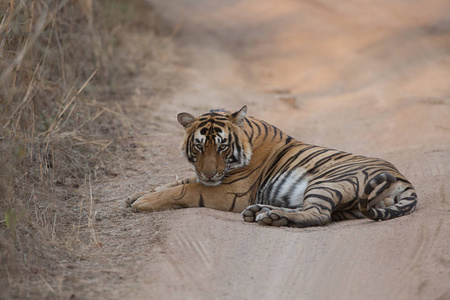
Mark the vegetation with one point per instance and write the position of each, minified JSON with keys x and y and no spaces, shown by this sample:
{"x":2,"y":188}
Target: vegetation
{"x":65,"y":67}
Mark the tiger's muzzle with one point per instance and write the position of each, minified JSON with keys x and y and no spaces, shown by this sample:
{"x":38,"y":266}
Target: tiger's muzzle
{"x":211,"y":179}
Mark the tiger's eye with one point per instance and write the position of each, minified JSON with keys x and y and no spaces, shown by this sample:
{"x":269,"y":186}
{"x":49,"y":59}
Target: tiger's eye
{"x":223,"y":148}
{"x":198,"y":147}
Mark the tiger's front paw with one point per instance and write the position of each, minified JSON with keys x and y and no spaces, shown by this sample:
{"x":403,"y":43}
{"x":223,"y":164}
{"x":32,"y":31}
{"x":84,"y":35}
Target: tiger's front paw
{"x":140,"y":203}
{"x":131,"y":199}
{"x":136,"y":205}
{"x":250,"y":213}
{"x":153,"y":201}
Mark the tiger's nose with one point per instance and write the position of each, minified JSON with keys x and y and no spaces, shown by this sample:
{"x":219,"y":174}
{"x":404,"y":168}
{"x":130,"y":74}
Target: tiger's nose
{"x":209,"y":175}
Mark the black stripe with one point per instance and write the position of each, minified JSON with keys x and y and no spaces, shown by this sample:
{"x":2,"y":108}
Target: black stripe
{"x":275,"y":132}
{"x":321,"y":197}
{"x":220,"y":124}
{"x":402,"y":180}
{"x":311,"y":156}
{"x":322,"y":207}
{"x":328,"y":189}
{"x":233,"y":204}
{"x":266,"y":129}
{"x":248,"y":136}
{"x":183,"y":192}
{"x":258,"y":127}
{"x":281,"y":135}
{"x":335,"y":157}
{"x":203,"y":123}
{"x":382,"y":189}
{"x":236,"y":142}
{"x":288,"y":140}
{"x":242,"y":177}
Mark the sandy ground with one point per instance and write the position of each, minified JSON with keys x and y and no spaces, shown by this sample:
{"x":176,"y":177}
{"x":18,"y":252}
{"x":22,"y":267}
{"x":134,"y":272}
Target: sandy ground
{"x":368,"y":77}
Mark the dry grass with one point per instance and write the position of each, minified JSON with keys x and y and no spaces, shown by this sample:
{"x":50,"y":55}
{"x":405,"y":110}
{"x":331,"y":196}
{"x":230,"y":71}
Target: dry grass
{"x":64,"y":67}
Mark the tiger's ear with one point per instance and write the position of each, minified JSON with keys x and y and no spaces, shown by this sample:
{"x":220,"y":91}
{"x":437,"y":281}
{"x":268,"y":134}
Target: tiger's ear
{"x":238,"y":117}
{"x":185,"y":119}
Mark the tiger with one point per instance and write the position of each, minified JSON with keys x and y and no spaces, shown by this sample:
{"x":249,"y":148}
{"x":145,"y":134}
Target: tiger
{"x":247,"y":165}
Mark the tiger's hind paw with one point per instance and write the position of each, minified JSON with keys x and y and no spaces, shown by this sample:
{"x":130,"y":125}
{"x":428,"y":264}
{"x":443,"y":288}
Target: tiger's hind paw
{"x":250,"y":213}
{"x":253,"y":213}
{"x":272,"y":218}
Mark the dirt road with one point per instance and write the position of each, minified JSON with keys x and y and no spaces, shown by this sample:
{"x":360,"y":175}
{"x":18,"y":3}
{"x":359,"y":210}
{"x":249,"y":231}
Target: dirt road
{"x":366,"y":77}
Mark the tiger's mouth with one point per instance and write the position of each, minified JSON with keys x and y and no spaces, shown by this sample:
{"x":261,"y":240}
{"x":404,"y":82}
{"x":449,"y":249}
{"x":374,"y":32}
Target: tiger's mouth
{"x":210,"y":182}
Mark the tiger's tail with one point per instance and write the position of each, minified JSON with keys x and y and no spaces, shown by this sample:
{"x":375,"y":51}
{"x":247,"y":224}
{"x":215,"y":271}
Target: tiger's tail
{"x":407,"y":199}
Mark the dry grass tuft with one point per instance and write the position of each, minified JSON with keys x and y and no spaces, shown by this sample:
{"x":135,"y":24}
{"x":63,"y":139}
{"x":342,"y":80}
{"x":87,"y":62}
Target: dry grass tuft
{"x":64,"y":67}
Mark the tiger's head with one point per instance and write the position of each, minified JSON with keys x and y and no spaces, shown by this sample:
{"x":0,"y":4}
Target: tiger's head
{"x":215,"y":143}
